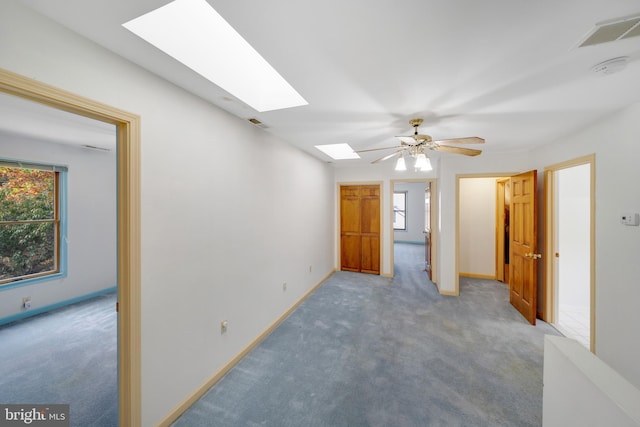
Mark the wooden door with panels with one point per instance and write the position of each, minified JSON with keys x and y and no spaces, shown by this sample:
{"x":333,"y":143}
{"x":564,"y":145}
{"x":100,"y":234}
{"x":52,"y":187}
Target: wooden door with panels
{"x":360,"y":228}
{"x":523,"y":238}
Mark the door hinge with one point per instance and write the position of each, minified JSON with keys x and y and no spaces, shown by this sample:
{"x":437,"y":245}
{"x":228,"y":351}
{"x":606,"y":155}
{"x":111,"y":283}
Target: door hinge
{"x":117,"y":307}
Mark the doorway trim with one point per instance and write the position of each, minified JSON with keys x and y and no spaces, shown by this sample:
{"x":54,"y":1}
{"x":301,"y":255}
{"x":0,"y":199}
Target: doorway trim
{"x":434,"y":220}
{"x":550,"y":230}
{"x":128,"y":210}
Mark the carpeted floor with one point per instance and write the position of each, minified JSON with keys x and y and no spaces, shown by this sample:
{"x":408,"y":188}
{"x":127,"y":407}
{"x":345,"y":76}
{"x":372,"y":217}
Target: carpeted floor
{"x":369,"y":351}
{"x":66,"y":356}
{"x":361,"y":351}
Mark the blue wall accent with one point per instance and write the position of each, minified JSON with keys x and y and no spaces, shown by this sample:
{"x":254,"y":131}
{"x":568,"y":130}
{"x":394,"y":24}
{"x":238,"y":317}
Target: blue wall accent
{"x":34,"y":312}
{"x":407,"y":241}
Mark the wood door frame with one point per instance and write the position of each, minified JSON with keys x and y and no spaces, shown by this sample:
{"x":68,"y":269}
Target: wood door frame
{"x":434,"y":220}
{"x":338,"y":244}
{"x":497,"y":175}
{"x":500,"y":235}
{"x":128,"y":223}
{"x":550,"y":229}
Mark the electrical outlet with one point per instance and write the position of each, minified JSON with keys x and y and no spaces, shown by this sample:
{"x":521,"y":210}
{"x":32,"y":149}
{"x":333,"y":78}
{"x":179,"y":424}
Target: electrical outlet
{"x":309,"y":269}
{"x":284,"y":286}
{"x":26,"y":303}
{"x":223,"y":326}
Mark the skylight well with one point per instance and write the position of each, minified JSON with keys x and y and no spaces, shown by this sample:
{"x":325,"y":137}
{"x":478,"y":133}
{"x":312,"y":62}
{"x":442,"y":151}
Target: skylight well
{"x":338,"y":151}
{"x":193,"y":33}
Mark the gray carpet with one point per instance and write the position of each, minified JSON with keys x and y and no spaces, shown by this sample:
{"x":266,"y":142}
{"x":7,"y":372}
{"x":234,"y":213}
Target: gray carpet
{"x":66,"y":356}
{"x":369,"y":351}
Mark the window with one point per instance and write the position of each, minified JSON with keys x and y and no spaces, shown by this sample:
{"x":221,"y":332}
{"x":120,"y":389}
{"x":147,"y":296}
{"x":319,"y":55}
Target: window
{"x":399,"y":210}
{"x":30,"y":221}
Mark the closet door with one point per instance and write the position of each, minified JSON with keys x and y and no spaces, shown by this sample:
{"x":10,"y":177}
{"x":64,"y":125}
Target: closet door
{"x":350,"y":228}
{"x":360,"y":228}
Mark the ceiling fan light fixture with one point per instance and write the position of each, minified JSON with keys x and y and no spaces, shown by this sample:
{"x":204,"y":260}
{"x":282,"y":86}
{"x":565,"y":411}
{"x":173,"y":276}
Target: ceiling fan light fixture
{"x":400,"y":164}
{"x":421,"y":161}
{"x":426,"y":167}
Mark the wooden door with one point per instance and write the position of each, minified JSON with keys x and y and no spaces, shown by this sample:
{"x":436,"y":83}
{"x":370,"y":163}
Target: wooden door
{"x":360,"y":228}
{"x":350,"y":228}
{"x":523,"y":245}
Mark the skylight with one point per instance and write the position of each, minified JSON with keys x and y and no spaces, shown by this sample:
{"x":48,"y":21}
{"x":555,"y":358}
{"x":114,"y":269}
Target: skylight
{"x":338,"y":151}
{"x":192,"y":32}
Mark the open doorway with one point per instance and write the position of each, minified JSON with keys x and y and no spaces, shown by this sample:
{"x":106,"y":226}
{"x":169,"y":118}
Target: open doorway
{"x":503,"y":213}
{"x":570,"y":289}
{"x":128,"y":226}
{"x":71,"y":303}
{"x":482,"y":239}
{"x":414,"y":220}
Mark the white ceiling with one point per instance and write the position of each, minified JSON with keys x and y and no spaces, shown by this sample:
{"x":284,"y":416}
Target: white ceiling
{"x":19,"y":116}
{"x":505,"y":70}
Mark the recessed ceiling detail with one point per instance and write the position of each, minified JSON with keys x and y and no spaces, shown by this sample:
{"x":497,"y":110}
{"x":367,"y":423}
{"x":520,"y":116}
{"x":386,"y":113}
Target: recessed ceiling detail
{"x":608,"y":31}
{"x":195,"y":34}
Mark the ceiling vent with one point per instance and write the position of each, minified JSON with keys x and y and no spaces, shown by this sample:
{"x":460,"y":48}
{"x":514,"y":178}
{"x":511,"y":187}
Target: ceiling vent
{"x":93,"y":147}
{"x":258,"y":123}
{"x":617,"y":29}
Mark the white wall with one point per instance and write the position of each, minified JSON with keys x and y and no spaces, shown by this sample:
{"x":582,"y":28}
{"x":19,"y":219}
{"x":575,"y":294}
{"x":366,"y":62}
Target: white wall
{"x":582,"y":390}
{"x":477,"y":241}
{"x":615,"y":144}
{"x":229,"y":213}
{"x":91,"y":213}
{"x":574,"y":285}
{"x":415,"y":216}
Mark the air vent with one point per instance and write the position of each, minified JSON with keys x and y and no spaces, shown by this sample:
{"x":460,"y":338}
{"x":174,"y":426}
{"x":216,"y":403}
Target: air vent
{"x":258,"y":123}
{"x":93,"y":147}
{"x":608,"y":31}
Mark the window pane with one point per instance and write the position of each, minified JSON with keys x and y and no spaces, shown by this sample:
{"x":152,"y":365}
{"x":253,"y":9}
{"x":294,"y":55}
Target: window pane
{"x":27,"y":249}
{"x":26,"y":194}
{"x":399,"y":211}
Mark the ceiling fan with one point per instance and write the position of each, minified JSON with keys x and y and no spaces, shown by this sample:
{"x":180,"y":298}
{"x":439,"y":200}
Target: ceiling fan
{"x":416,"y":144}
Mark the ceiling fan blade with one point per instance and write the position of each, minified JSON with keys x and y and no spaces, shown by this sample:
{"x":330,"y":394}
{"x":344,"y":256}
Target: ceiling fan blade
{"x":456,"y":150}
{"x":388,"y":156}
{"x":377,"y":149}
{"x":467,"y":140}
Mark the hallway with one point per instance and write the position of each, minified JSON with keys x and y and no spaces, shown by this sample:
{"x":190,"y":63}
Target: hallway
{"x":364,"y":350}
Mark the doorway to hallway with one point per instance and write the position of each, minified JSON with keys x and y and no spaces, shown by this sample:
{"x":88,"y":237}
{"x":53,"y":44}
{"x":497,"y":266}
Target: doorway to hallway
{"x":414,"y":220}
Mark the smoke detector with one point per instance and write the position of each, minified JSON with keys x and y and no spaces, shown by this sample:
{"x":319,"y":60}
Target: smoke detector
{"x":611,"y":66}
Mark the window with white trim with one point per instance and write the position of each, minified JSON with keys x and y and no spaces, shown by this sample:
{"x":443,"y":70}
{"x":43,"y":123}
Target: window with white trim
{"x":400,"y":210}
